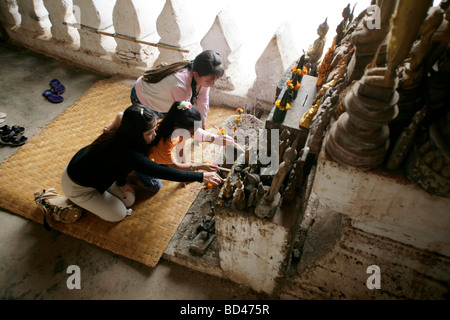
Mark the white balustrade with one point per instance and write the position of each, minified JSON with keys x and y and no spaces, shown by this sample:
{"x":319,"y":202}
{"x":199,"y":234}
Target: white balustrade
{"x":9,"y":14}
{"x":34,"y":16}
{"x":224,"y":36}
{"x":62,"y":11}
{"x":183,"y":24}
{"x":279,"y":54}
{"x":96,"y":14}
{"x":130,"y":36}
{"x":137,"y":19}
{"x":35,"y":19}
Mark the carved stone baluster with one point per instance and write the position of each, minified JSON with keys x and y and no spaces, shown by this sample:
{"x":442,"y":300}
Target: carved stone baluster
{"x":96,"y":14}
{"x":137,"y":18}
{"x":62,"y":11}
{"x":35,"y":22}
{"x":176,"y":26}
{"x":276,"y":58}
{"x":9,"y":15}
{"x":224,"y":37}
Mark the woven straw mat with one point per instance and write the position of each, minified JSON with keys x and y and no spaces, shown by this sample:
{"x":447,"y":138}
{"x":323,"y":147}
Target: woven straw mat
{"x":39,"y":163}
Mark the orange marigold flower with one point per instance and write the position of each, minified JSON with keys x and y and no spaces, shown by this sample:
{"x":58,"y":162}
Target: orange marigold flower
{"x":289,"y":84}
{"x":305,"y":71}
{"x":301,"y":72}
{"x":239,"y":110}
{"x":207,"y":186}
{"x":279,"y":106}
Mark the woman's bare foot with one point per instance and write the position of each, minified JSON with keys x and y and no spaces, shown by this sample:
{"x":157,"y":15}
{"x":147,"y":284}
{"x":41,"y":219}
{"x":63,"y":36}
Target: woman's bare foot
{"x":115,"y":124}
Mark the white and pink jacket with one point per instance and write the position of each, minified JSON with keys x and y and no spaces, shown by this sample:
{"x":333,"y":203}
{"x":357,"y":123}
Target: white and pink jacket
{"x":175,"y":87}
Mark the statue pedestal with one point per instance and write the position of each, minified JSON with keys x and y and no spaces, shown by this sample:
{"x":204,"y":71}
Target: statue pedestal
{"x":386,"y":203}
{"x":255,"y":251}
{"x":266,"y":208}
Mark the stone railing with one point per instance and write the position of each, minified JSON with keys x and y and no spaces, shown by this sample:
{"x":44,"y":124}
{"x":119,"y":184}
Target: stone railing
{"x":127,"y":37}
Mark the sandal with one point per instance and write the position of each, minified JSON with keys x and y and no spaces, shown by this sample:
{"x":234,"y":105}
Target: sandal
{"x":53,"y":97}
{"x":57,"y":86}
{"x":7,"y":129}
{"x":13,"y":139}
{"x":17,"y":129}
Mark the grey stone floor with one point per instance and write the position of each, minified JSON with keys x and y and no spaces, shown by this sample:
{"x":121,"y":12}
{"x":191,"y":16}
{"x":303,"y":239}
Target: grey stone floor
{"x":33,"y":261}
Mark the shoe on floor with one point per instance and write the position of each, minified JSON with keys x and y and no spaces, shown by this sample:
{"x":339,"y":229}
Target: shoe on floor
{"x":53,"y":97}
{"x":13,"y":139}
{"x":57,"y":86}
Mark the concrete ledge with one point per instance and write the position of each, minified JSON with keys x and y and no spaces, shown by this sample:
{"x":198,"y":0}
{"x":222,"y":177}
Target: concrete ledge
{"x":178,"y":249}
{"x":385,"y":203}
{"x":336,"y":256}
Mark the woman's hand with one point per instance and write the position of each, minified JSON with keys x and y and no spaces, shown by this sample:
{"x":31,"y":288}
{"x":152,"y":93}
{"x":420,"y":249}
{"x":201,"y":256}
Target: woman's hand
{"x":208,"y":167}
{"x":223,"y":140}
{"x":126,"y":188}
{"x":212,"y":178}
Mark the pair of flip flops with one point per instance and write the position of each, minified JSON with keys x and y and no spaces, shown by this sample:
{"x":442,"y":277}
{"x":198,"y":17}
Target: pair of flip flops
{"x":12,"y":136}
{"x":54,"y":95}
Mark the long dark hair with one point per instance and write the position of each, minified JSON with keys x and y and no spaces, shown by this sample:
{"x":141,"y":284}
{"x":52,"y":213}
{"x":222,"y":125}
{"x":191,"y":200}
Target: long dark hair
{"x":206,"y":63}
{"x":178,"y":116}
{"x":136,"y":120}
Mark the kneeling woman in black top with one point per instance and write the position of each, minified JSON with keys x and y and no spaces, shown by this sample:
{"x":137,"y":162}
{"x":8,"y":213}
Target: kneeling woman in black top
{"x":95,"y":178}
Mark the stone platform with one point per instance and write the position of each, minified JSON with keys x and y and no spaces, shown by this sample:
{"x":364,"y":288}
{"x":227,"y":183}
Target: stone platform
{"x":299,"y":106}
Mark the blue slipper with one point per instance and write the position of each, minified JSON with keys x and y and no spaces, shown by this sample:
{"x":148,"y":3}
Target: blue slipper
{"x":57,"y":86}
{"x":53,"y":97}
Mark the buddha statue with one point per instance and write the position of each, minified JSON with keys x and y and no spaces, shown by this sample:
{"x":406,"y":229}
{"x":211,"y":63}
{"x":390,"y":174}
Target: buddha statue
{"x":315,"y":51}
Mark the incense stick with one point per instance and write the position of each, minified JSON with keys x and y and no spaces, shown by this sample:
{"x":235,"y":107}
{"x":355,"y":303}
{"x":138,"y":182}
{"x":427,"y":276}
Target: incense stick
{"x":234,"y":142}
